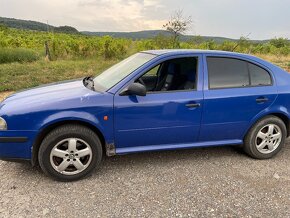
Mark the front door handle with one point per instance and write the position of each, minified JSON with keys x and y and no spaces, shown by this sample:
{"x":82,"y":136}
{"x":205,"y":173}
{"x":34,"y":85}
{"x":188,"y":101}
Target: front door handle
{"x":262,"y":100}
{"x":193,"y":105}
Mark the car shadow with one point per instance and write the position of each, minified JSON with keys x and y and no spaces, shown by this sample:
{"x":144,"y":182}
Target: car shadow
{"x":169,"y":158}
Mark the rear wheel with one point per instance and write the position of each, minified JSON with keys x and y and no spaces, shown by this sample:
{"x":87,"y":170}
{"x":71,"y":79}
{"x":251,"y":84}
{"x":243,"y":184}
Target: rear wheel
{"x":70,"y":152}
{"x":266,"y":138}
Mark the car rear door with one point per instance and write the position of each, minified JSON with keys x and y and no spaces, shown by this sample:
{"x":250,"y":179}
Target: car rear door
{"x":233,"y":96}
{"x":159,"y":118}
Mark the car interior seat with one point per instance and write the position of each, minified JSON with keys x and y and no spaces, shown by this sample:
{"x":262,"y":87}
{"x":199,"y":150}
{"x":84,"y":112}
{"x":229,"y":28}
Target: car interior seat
{"x":190,"y":81}
{"x":172,"y":72}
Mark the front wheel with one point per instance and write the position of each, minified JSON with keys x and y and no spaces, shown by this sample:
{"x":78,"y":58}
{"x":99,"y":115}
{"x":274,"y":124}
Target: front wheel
{"x":70,"y":152}
{"x":266,"y":138}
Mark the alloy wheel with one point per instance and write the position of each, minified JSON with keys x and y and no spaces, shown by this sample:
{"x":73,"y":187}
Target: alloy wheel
{"x":268,"y":138}
{"x":71,"y":156}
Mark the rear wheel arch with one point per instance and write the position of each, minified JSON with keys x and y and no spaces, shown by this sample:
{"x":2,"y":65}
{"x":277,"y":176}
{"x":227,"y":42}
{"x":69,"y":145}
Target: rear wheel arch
{"x":268,"y":130}
{"x":43,"y":133}
{"x":279,"y":115}
{"x":284,"y":118}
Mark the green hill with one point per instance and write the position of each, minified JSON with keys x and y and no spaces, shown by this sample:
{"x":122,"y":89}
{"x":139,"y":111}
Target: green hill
{"x":34,"y":25}
{"x":147,"y":34}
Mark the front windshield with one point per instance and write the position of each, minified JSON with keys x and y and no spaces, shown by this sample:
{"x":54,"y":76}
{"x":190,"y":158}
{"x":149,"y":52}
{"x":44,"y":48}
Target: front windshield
{"x":118,"y":72}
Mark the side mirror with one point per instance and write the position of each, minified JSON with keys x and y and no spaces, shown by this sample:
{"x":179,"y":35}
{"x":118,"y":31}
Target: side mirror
{"x":134,"y":89}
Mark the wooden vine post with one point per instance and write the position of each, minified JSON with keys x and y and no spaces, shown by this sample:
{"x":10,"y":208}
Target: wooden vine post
{"x":47,"y":52}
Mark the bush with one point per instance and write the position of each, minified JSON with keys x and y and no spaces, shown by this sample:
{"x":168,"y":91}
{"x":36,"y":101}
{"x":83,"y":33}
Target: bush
{"x":113,"y":48}
{"x":8,"y":55}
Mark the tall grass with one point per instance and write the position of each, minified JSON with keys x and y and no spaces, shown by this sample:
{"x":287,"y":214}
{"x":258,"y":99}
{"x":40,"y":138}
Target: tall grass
{"x":9,"y":55}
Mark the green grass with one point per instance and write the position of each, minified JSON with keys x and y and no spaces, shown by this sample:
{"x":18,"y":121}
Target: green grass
{"x":17,"y":76}
{"x":9,"y":55}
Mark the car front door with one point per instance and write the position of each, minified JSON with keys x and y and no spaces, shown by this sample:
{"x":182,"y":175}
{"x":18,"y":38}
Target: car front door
{"x":161,"y":118}
{"x":236,"y":91}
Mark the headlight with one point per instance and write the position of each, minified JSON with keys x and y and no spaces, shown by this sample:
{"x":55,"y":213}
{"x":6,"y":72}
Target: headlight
{"x":3,"y":124}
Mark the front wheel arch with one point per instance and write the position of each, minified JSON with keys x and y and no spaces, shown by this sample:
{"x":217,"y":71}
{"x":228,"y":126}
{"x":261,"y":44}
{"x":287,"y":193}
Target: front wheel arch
{"x":49,"y":128}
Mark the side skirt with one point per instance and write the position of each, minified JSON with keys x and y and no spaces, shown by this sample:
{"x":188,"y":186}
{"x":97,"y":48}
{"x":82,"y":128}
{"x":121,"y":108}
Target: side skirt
{"x":127,"y":150}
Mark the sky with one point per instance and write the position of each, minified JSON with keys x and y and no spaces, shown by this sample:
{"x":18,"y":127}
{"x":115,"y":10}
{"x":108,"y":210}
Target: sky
{"x":260,"y":19}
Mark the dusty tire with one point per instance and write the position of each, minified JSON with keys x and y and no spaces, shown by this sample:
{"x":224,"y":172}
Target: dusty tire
{"x":263,"y":140}
{"x":70,"y":152}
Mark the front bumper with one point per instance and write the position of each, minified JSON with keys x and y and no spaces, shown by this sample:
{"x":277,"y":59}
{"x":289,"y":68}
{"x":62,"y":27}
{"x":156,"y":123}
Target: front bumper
{"x":16,"y":144}
{"x":13,"y":139}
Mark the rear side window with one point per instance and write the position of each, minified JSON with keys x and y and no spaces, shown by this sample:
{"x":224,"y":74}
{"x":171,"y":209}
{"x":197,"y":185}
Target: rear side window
{"x":259,"y":76}
{"x":227,"y":73}
{"x":234,"y":73}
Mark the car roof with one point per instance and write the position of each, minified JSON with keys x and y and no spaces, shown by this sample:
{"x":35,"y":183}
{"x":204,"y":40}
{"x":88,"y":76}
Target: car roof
{"x":189,"y":51}
{"x":170,"y":52}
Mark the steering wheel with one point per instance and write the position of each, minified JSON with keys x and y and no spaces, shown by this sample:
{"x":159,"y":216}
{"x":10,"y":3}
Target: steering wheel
{"x":140,"y":80}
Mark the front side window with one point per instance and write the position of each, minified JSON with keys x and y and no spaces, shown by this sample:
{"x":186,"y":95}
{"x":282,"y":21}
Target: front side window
{"x":235,"y":73}
{"x":118,"y":72}
{"x":171,"y":75}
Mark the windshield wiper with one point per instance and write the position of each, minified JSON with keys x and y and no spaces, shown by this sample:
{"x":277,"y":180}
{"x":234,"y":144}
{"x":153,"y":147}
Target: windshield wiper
{"x":89,"y":82}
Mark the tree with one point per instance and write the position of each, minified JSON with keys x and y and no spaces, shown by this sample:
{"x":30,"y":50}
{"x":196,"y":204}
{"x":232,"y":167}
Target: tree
{"x":66,"y":29}
{"x":178,"y":25}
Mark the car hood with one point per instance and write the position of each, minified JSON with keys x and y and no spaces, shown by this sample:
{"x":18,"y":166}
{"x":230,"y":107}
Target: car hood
{"x":54,"y":91}
{"x":57,"y":95}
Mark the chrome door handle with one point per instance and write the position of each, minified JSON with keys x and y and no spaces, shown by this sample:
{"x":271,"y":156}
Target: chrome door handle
{"x":262,"y":100}
{"x":193,"y":105}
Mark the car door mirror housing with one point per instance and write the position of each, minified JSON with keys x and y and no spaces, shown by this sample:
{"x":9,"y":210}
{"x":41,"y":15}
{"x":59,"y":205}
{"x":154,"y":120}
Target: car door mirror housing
{"x":134,"y":89}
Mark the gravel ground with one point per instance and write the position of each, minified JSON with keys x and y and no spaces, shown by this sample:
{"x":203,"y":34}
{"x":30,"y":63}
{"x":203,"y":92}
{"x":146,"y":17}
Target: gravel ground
{"x":208,"y":182}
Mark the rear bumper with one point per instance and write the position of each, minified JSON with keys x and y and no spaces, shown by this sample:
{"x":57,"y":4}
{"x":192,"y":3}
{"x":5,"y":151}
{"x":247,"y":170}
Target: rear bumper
{"x":16,"y":144}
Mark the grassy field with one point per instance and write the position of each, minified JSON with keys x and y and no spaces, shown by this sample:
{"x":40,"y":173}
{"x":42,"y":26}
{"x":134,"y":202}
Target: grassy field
{"x":281,"y":61}
{"x":17,"y":76}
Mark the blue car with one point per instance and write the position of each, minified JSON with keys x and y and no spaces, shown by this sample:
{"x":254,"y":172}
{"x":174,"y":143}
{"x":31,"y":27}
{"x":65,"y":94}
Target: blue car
{"x":153,"y":100}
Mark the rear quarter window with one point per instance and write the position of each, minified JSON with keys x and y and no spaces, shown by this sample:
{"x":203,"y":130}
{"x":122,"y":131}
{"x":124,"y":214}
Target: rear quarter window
{"x":259,"y":76}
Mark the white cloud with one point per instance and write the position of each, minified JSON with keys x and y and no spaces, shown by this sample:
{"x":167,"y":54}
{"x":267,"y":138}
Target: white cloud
{"x":118,"y":14}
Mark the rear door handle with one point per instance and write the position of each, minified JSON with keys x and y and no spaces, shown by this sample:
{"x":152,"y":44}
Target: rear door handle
{"x":262,"y":100}
{"x":193,"y":105}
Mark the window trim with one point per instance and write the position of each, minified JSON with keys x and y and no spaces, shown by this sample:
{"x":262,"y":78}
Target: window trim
{"x":249,"y":74}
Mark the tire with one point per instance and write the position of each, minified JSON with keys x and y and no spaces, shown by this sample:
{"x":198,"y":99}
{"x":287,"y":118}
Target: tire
{"x":70,"y":152}
{"x":263,"y":140}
